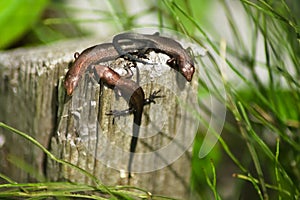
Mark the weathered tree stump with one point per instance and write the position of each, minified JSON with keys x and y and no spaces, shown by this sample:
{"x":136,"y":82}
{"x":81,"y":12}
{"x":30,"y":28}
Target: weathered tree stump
{"x":78,"y":130}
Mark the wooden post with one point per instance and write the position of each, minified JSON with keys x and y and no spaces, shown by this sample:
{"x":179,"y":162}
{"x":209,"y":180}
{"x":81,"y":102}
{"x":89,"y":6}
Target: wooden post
{"x":78,"y":130}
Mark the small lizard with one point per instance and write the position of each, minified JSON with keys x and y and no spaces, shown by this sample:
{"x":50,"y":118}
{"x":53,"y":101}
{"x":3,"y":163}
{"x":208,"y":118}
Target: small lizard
{"x":135,"y":97}
{"x":94,"y":55}
{"x":180,"y":59}
{"x":130,"y":90}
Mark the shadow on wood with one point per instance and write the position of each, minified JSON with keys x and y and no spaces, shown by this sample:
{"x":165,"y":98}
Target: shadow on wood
{"x":77,"y":129}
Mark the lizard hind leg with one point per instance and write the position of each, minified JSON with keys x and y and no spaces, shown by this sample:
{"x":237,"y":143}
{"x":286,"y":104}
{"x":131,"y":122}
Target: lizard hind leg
{"x":119,"y":113}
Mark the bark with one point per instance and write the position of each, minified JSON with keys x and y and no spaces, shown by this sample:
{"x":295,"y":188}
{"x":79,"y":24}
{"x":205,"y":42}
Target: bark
{"x":77,"y":129}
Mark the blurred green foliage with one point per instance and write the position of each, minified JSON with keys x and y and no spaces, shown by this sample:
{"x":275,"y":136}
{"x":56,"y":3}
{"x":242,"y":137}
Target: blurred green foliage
{"x":17,"y":17}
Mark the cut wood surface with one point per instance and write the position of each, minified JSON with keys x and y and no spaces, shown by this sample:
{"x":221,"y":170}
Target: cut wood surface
{"x":77,"y":129}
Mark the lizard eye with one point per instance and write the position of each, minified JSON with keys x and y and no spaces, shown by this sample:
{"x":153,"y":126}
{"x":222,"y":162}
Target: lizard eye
{"x":76,"y":55}
{"x":172,"y":62}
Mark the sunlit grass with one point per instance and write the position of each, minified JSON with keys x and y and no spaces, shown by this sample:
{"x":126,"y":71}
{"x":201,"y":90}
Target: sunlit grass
{"x":261,"y":136}
{"x":262,"y":107}
{"x":41,"y":190}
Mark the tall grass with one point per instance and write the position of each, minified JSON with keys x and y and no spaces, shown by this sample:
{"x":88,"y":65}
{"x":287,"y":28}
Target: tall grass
{"x":258,"y":153}
{"x":263,"y":135}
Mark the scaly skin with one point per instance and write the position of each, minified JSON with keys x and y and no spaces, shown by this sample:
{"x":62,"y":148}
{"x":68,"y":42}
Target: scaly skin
{"x":180,"y":59}
{"x":130,"y":90}
{"x":93,"y":55}
{"x":135,"y":97}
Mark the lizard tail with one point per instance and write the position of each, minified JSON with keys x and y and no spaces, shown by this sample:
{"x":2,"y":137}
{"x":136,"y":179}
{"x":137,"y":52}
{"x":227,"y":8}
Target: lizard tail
{"x":134,"y":139}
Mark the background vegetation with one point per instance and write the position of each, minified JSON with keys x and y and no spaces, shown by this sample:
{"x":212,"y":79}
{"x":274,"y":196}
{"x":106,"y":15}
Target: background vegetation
{"x":258,"y":153}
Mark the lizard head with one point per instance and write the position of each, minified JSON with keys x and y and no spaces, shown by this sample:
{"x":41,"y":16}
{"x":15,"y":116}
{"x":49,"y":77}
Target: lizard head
{"x":187,"y":69}
{"x":72,"y":77}
{"x":184,"y":66}
{"x":71,"y":82}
